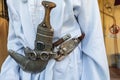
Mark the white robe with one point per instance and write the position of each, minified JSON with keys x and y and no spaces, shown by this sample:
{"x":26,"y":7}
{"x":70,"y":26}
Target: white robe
{"x":87,"y":62}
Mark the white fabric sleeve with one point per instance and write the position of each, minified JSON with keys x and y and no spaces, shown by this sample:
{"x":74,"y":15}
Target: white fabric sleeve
{"x":95,"y":66}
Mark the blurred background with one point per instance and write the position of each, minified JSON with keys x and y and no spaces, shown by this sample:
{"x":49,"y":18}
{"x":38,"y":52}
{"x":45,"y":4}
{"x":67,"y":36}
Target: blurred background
{"x":3,"y":30}
{"x":110,"y":17}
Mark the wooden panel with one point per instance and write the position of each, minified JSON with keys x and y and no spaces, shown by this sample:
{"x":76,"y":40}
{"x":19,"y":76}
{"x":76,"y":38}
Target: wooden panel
{"x":3,"y":39}
{"x":3,"y":9}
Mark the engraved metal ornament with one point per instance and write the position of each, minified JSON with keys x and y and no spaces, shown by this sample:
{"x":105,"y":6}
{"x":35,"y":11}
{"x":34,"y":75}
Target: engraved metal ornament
{"x":67,"y":47}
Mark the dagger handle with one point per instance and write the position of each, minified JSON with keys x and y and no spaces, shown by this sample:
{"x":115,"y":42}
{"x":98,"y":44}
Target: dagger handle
{"x":48,"y":7}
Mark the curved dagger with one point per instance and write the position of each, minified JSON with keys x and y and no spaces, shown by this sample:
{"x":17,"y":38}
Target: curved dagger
{"x":43,"y":45}
{"x":36,"y":60}
{"x":27,"y":64}
{"x":40,"y":64}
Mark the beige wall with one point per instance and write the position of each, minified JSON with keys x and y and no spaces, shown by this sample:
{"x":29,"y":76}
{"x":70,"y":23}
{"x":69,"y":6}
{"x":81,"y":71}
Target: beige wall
{"x":112,"y":43}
